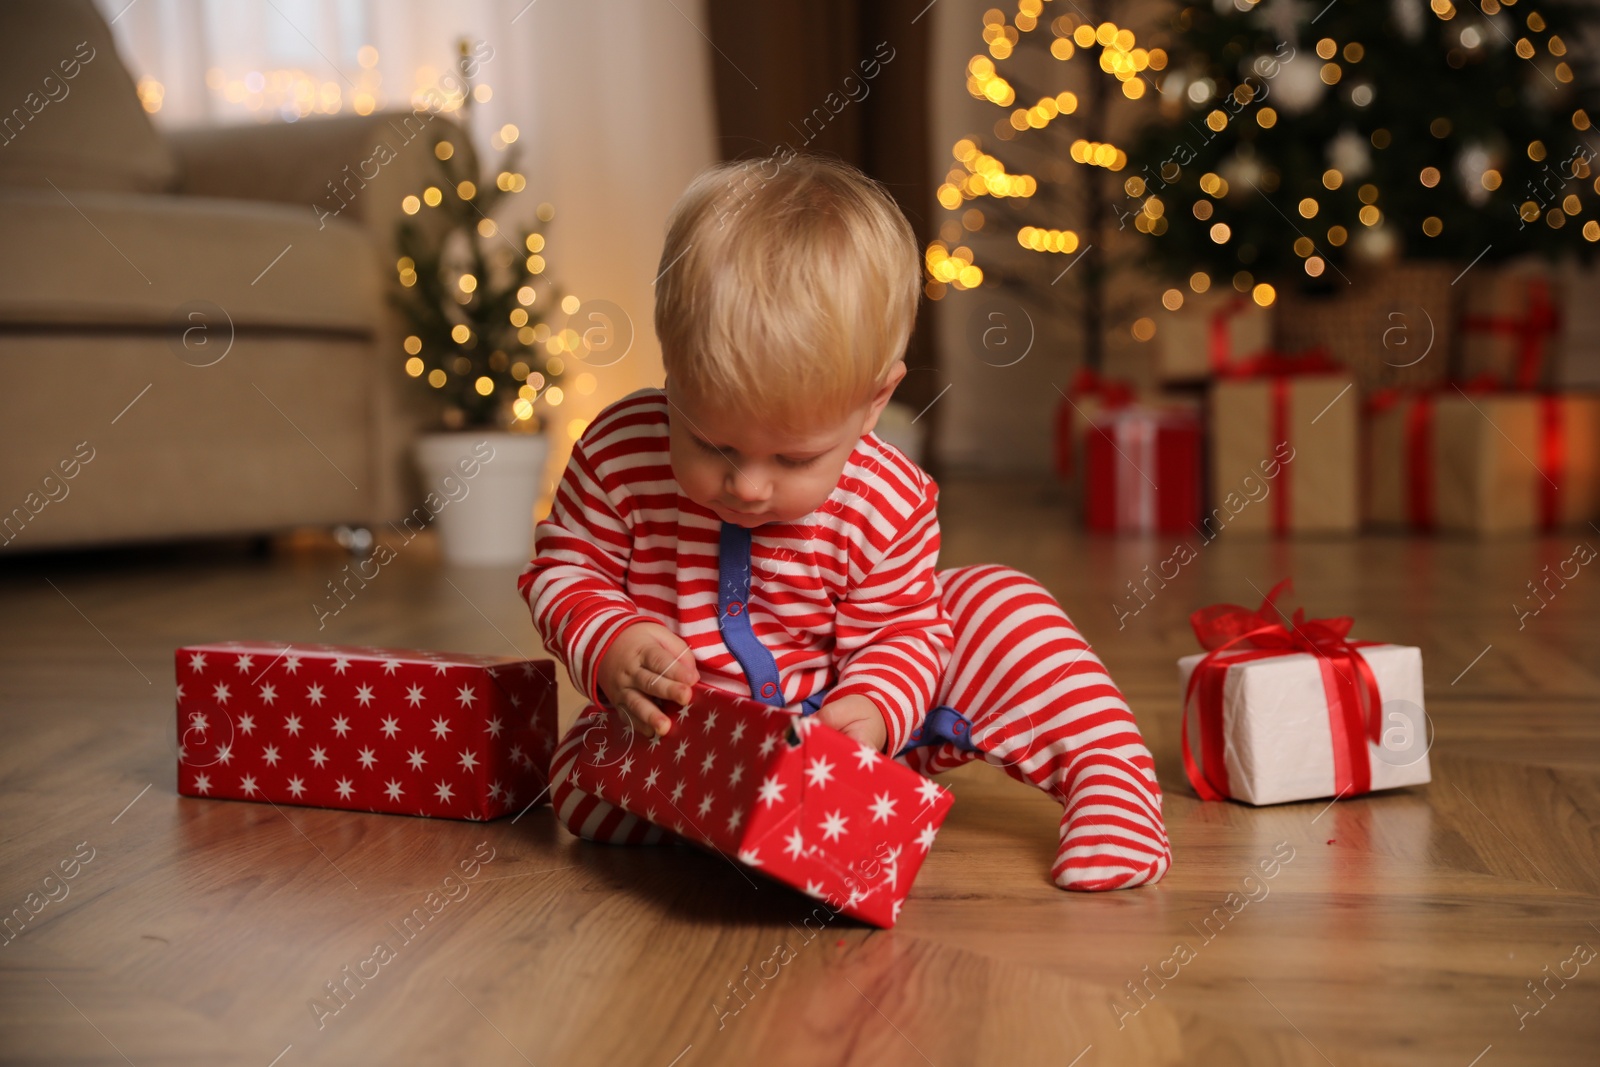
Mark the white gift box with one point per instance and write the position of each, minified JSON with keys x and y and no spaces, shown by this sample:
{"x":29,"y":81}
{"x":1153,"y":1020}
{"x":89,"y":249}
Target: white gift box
{"x":1277,"y":741}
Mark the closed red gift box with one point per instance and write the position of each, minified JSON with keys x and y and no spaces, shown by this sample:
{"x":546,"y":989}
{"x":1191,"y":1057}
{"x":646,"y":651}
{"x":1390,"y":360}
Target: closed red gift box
{"x":443,"y":734}
{"x":1143,"y":470}
{"x":780,"y":793}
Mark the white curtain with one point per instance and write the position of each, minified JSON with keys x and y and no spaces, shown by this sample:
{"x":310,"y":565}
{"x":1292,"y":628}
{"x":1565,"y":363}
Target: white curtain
{"x":611,"y":100}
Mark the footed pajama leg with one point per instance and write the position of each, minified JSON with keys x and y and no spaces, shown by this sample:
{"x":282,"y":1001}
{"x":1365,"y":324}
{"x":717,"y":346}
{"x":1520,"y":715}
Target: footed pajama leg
{"x":1043,"y":708}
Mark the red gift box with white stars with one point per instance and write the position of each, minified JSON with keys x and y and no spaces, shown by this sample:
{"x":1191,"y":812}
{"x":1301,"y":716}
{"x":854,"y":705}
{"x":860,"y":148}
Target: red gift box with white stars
{"x":780,"y":793}
{"x":443,"y":734}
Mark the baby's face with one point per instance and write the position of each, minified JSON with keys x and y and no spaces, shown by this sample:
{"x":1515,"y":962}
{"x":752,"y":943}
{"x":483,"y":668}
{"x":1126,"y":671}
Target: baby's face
{"x":749,"y":474}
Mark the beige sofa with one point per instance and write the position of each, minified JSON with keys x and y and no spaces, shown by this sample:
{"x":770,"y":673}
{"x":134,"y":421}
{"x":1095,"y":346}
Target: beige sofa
{"x":195,"y":337}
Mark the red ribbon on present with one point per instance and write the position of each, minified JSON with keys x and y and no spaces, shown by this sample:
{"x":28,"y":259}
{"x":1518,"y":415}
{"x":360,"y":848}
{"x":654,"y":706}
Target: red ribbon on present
{"x":1142,"y":470}
{"x":1280,"y":368}
{"x":1234,"y":634}
{"x":1280,"y":432}
{"x":1420,"y":489}
{"x":1421,"y":492}
{"x":1552,"y":458}
{"x":1217,"y":334}
{"x":1087,"y":382}
{"x":1417,"y":443}
{"x":1418,"y":447}
{"x":1419,"y":463}
{"x":1218,"y":337}
{"x":1531,"y":331}
{"x":1272,"y":363}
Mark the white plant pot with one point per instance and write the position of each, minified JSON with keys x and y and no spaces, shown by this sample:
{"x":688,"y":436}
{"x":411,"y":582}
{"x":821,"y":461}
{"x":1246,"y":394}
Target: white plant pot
{"x":481,"y":488}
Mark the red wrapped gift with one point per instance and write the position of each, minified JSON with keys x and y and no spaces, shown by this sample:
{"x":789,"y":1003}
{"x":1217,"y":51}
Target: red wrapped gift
{"x":780,"y":793}
{"x":1143,"y":470}
{"x":444,"y":734}
{"x":1087,"y":396}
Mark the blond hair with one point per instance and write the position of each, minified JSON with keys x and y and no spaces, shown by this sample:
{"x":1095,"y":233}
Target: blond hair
{"x":787,"y":288}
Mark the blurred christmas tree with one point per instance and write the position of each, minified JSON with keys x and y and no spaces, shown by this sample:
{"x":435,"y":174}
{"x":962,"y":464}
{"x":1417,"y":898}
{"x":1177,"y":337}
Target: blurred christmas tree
{"x":476,"y":319}
{"x":1046,"y":175}
{"x":1298,"y":140}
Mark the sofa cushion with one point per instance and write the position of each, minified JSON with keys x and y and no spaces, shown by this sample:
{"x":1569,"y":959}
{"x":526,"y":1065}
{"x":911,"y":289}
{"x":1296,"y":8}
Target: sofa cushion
{"x":106,"y":260}
{"x":278,"y":433}
{"x":72,"y":115}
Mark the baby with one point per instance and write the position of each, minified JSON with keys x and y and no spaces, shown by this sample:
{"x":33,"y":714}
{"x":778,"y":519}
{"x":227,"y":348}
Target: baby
{"x":744,"y":528}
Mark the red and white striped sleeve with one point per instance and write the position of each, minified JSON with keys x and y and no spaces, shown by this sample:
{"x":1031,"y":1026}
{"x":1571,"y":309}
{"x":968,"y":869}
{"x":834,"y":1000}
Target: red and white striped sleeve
{"x":574,"y":583}
{"x":892,"y":636}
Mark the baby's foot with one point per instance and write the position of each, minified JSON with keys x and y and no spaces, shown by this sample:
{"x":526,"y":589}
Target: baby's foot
{"x":1111,"y":836}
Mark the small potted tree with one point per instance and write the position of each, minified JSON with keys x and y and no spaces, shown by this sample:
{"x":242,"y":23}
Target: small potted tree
{"x":476,"y":308}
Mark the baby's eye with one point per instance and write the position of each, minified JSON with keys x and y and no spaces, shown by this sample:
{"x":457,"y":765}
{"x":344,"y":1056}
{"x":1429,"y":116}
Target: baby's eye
{"x":798,"y":463}
{"x":713,"y":449}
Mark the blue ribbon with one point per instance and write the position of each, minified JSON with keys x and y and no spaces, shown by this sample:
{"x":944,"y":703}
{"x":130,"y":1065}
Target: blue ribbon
{"x":942,"y":725}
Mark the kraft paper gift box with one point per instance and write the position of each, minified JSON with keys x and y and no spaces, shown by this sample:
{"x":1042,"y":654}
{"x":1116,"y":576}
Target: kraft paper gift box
{"x":1485,"y":463}
{"x":1397,"y":471}
{"x":1392,"y":325}
{"x":1209,"y":333}
{"x":1143,"y":470}
{"x":781,"y":794}
{"x":1511,"y":328}
{"x":1284,"y":454}
{"x":1578,"y":342}
{"x":1279,"y":708}
{"x":1517,"y":463}
{"x":443,"y":734}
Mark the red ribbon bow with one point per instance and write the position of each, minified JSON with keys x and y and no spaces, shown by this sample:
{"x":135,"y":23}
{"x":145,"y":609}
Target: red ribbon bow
{"x":1234,"y":634}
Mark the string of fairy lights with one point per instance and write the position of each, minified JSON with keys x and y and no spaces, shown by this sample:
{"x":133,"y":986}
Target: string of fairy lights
{"x":979,"y":174}
{"x":975,"y":174}
{"x":291,"y":93}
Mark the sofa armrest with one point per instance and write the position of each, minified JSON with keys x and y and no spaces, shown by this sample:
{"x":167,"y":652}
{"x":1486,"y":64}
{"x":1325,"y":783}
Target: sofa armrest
{"x":350,"y":170}
{"x":356,"y":168}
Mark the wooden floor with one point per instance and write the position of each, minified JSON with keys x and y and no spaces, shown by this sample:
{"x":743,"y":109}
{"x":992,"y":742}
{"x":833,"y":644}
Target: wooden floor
{"x":1406,"y":928}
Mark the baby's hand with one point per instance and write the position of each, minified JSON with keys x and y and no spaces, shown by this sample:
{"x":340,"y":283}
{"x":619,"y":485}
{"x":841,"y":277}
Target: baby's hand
{"x":858,"y":717}
{"x":647,"y":660}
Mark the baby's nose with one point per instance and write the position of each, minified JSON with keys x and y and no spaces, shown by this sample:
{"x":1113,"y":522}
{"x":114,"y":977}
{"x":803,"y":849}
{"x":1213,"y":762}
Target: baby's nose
{"x":747,"y":491}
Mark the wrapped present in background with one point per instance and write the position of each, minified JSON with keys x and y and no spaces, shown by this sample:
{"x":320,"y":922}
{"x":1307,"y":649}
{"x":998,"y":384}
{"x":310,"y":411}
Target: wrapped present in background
{"x":1208,"y":333}
{"x":780,"y":793}
{"x":1398,"y":477}
{"x":444,"y":734}
{"x":1284,"y":448}
{"x":1143,"y":470}
{"x":1511,"y":326}
{"x":1471,"y":461}
{"x":1298,"y":711}
{"x":1578,"y":335}
{"x":1391,"y":325}
{"x":1089,"y":394}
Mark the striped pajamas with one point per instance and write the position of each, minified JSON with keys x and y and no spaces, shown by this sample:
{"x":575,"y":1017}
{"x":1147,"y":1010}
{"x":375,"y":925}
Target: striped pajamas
{"x":986,"y":640}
